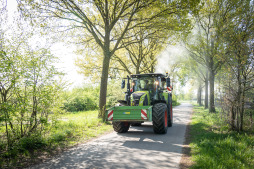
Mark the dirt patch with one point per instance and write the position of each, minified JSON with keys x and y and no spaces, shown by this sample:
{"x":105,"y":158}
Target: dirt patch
{"x":186,"y":161}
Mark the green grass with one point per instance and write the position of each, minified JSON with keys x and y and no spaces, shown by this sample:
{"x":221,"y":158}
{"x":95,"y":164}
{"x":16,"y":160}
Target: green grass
{"x":79,"y":126}
{"x":214,"y":146}
{"x":70,"y":129}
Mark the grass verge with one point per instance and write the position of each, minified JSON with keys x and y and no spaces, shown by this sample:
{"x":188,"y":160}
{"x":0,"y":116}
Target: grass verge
{"x":214,"y":146}
{"x":71,"y":129}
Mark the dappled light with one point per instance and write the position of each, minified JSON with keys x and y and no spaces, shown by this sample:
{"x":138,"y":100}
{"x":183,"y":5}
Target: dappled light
{"x":112,"y":83}
{"x":139,"y":148}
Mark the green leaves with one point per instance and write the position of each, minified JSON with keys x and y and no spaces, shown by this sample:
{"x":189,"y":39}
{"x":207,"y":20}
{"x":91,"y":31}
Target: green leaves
{"x":29,"y":89}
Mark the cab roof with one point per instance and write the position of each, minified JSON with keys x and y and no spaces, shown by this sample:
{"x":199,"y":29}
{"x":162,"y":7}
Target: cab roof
{"x":148,"y":75}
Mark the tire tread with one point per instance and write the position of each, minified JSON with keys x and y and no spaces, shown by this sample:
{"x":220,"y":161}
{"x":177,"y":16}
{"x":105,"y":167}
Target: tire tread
{"x":158,"y":118}
{"x":120,"y":127}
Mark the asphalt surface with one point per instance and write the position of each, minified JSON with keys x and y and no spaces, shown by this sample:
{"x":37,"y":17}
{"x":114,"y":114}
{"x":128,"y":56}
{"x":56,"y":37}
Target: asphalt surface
{"x":138,"y":148}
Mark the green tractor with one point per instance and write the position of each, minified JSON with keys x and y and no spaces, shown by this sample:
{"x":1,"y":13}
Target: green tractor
{"x":148,"y":98}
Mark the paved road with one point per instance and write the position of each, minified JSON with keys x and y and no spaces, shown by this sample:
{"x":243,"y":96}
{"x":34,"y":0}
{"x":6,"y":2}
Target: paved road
{"x":139,"y":148}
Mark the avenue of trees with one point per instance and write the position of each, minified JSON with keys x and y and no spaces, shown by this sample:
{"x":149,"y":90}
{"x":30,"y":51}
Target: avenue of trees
{"x":109,"y":26}
{"x":222,"y":46}
{"x":119,"y":37}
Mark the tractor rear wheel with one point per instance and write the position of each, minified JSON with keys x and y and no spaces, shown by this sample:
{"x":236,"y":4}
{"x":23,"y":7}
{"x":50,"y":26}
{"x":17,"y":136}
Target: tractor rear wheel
{"x":160,"y":118}
{"x":121,"y":127}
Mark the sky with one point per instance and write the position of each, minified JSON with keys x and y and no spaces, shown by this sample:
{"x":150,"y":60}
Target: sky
{"x":65,"y":54}
{"x":67,"y":64}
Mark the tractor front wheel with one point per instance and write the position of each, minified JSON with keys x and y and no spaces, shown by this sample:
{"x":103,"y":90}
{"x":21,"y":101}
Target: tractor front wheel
{"x":121,"y":127}
{"x":160,"y":118}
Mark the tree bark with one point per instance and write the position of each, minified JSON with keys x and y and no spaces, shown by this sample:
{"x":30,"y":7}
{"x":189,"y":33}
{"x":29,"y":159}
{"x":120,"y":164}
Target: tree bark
{"x":232,"y":118}
{"x":137,"y":68}
{"x":251,"y":120}
{"x":103,"y":86}
{"x":6,"y":119}
{"x":104,"y":73}
{"x":199,"y":95}
{"x":211,"y":100}
{"x":152,"y":69}
{"x":206,"y":90}
{"x":242,"y":106}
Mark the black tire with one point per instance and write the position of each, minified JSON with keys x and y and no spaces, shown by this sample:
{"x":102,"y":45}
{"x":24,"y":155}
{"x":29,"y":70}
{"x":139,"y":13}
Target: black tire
{"x":121,"y":127}
{"x":170,"y":115}
{"x":160,"y":118}
{"x":135,"y":124}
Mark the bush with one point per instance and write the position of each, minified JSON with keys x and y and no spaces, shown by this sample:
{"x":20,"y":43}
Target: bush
{"x":174,"y":100}
{"x":80,"y":104}
{"x":58,"y":137}
{"x":31,"y":143}
{"x":81,"y":99}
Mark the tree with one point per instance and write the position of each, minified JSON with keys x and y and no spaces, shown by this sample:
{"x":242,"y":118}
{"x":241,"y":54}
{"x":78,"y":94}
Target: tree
{"x":29,"y":87}
{"x":208,"y":50}
{"x":199,"y":73}
{"x":104,"y":22}
{"x":199,"y":70}
{"x":240,"y":60}
{"x":140,"y":57}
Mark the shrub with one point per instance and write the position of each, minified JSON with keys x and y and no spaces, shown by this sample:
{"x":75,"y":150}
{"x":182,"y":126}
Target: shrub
{"x":81,"y":99}
{"x":174,"y":100}
{"x":79,"y":103}
{"x":31,"y":143}
{"x":57,"y":137}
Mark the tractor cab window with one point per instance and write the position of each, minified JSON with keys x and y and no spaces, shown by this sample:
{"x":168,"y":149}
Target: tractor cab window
{"x":143,"y":83}
{"x":163,"y":84}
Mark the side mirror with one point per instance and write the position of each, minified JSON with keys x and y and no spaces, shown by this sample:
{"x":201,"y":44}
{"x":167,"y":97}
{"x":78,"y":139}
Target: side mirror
{"x":168,"y":82}
{"x":123,"y":84}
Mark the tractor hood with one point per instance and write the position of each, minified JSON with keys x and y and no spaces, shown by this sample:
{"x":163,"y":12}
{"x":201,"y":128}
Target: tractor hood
{"x":140,"y":98}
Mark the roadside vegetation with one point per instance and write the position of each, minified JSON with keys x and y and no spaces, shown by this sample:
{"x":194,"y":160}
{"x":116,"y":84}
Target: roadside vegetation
{"x":73,"y":120}
{"x":114,"y":39}
{"x":67,"y":130}
{"x":214,"y":145}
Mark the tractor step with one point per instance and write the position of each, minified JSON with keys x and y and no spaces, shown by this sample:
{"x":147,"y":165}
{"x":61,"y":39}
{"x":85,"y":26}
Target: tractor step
{"x":129,"y":113}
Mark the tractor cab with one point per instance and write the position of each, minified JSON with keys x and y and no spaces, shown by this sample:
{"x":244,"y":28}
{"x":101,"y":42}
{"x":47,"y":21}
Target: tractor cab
{"x":148,"y":85}
{"x":145,"y":89}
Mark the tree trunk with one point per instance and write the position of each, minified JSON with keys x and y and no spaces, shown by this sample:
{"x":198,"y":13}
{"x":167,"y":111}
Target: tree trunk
{"x":103,"y":86}
{"x":211,"y":100}
{"x":206,"y":90}
{"x":6,"y":119}
{"x":238,"y":96}
{"x":137,"y":68}
{"x":251,"y":120}
{"x":104,"y":73}
{"x":237,"y":118}
{"x":232,"y":118}
{"x":242,"y":106}
{"x":199,"y":95}
{"x":152,"y":69}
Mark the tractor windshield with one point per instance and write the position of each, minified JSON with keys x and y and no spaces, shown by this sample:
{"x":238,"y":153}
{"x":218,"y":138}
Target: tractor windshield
{"x":144,"y":83}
